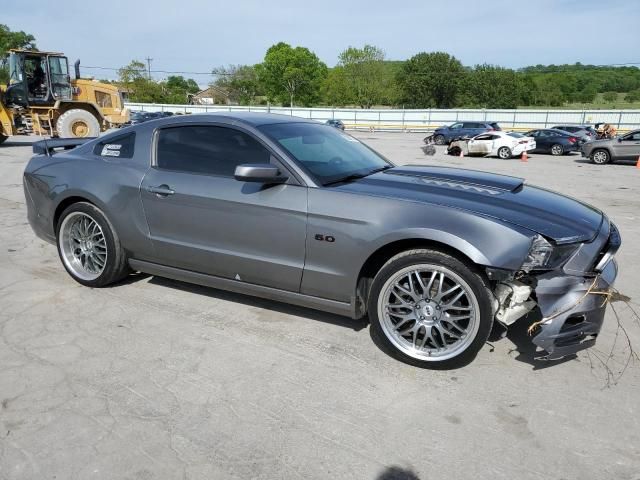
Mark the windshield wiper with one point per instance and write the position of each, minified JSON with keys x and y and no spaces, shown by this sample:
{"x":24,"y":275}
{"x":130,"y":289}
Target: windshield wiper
{"x":356,"y":176}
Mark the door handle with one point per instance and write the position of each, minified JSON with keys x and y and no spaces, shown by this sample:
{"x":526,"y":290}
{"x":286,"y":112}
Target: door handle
{"x":161,"y":190}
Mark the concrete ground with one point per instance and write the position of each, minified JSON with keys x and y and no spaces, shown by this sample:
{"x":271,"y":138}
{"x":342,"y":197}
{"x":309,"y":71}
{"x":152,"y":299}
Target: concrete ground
{"x":156,"y":379}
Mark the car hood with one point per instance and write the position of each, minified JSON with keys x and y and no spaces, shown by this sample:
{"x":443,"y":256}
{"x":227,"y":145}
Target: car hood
{"x":558,"y":217}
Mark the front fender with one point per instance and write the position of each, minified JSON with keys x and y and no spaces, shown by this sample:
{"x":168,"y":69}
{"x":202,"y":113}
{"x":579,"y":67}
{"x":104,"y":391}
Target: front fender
{"x":362,"y":225}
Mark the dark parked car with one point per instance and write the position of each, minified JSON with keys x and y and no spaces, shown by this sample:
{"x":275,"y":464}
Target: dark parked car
{"x":445,"y":135}
{"x":624,"y":147}
{"x":290,"y":210}
{"x":335,"y":123}
{"x":141,"y":117}
{"x":555,"y":142}
{"x":583,"y":132}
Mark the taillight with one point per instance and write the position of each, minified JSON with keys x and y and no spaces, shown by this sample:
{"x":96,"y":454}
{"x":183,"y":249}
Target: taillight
{"x":573,"y":139}
{"x":523,"y":141}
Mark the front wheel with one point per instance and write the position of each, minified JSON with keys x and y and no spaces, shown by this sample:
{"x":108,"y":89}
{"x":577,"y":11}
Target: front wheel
{"x":430,"y":309}
{"x":439,"y":139}
{"x":89,"y":247}
{"x":504,"y":153}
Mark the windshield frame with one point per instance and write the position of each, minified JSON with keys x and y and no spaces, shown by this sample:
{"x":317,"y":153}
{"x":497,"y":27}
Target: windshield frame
{"x":317,"y":180}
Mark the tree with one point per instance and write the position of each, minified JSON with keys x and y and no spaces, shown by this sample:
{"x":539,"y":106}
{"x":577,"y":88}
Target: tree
{"x":632,"y":97}
{"x":335,"y":88}
{"x":364,"y":72}
{"x":288,"y":73}
{"x":239,"y":81}
{"x":430,"y":80}
{"x":133,"y":77}
{"x":10,"y":40}
{"x":177,"y":89}
{"x":610,"y":97}
{"x":489,"y":86}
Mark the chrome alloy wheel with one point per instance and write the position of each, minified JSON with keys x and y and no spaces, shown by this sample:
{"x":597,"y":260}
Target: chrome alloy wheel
{"x":600,"y":157}
{"x":429,"y":312}
{"x":83,"y":246}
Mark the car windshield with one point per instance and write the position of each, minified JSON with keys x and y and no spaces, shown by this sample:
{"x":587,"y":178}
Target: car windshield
{"x":328,"y":154}
{"x":515,"y":134}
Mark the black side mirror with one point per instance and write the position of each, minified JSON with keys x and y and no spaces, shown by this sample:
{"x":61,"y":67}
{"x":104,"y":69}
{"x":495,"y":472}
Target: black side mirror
{"x":259,"y":173}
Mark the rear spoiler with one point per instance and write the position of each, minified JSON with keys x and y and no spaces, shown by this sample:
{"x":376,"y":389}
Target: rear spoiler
{"x":48,"y":147}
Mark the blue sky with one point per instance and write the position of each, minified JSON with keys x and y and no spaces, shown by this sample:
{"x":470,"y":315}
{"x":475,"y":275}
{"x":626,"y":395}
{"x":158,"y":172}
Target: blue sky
{"x":196,"y":35}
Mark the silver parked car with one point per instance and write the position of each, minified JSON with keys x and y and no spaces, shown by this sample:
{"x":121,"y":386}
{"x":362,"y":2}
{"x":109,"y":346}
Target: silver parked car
{"x":624,"y":147}
{"x":290,"y":210}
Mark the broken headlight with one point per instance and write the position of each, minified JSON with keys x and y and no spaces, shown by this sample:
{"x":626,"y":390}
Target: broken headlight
{"x":544,"y":256}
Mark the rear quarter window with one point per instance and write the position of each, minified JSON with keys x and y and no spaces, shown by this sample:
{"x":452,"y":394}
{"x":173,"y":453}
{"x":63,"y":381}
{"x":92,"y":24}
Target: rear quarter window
{"x":118,"y":147}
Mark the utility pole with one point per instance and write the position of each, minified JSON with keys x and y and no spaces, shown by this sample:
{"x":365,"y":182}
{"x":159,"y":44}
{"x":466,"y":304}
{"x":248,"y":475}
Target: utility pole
{"x":148,"y":59}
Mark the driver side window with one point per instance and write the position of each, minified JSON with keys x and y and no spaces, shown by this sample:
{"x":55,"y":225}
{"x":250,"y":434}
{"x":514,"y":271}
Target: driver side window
{"x":456,"y":126}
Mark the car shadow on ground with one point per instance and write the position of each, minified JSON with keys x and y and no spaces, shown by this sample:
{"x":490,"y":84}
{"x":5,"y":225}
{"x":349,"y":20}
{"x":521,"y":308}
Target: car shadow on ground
{"x":525,"y":349}
{"x":617,"y":163}
{"x":397,"y":473}
{"x":272,"y":305}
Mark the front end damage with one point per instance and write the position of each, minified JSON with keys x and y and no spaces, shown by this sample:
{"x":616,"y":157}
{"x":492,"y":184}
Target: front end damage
{"x":572,"y":297}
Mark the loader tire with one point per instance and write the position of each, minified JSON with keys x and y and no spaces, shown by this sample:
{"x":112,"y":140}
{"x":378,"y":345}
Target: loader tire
{"x":2,"y":138}
{"x":77,"y":123}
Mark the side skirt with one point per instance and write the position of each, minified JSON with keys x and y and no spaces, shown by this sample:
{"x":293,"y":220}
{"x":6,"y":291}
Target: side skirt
{"x":332,"y":306}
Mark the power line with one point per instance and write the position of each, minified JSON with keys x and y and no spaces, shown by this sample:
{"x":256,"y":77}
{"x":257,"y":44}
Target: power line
{"x":570,"y":69}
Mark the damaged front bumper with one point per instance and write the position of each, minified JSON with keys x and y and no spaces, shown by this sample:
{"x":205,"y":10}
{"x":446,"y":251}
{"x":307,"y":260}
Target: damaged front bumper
{"x":572,"y":299}
{"x":573,"y":310}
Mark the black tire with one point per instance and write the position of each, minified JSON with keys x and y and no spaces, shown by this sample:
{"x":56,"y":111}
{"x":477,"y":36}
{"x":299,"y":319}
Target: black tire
{"x":504,"y":153}
{"x":77,"y":123}
{"x":116,"y":266}
{"x":439,"y":140}
{"x":3,"y":138}
{"x":600,"y":156}
{"x":478,"y":287}
{"x":557,"y":149}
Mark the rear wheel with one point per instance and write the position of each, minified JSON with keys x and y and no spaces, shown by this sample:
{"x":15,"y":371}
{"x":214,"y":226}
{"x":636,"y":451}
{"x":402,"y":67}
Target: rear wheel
{"x":557,"y":149}
{"x":600,"y":157}
{"x":89,"y":246}
{"x":77,"y":123}
{"x":430,"y":309}
{"x":439,"y":139}
{"x":504,"y":153}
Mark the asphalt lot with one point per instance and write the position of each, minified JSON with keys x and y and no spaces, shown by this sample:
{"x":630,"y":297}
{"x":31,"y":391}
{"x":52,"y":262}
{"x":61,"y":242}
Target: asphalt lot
{"x":156,"y":379}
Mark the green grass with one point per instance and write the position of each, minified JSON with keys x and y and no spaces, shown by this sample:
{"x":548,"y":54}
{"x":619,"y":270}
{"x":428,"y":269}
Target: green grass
{"x":597,"y":104}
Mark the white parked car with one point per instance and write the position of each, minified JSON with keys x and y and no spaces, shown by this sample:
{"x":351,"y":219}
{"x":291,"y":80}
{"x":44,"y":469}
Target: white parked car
{"x":501,"y":144}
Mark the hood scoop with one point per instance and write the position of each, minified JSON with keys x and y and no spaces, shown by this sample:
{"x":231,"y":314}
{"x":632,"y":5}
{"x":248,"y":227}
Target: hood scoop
{"x":470,"y":180}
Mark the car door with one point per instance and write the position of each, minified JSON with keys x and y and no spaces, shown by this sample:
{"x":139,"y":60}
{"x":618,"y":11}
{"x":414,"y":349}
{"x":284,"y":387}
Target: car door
{"x":201,"y":219}
{"x":543,"y":141}
{"x":481,"y":144}
{"x":455,"y":131}
{"x":627,"y":147}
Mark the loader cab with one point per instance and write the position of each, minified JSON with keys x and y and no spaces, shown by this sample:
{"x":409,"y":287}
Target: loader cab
{"x":37,"y":78}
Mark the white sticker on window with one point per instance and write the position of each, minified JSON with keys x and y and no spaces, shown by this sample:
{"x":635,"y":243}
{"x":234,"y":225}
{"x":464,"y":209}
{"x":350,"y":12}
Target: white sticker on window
{"x":111,"y":150}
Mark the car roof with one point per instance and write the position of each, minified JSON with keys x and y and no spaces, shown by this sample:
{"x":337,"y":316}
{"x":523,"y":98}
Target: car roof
{"x":254,"y":119}
{"x":553,"y":130}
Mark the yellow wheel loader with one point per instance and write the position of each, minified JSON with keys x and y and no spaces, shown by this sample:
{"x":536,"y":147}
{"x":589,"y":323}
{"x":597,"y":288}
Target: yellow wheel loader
{"x":42,"y":99}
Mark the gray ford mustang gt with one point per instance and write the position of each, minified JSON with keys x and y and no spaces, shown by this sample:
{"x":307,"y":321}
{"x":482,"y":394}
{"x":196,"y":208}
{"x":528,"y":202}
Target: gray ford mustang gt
{"x":299,"y":212}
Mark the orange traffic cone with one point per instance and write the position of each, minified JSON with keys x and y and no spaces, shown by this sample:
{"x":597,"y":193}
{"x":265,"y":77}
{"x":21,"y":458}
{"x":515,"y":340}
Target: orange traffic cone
{"x":638,"y":163}
{"x":524,"y":157}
